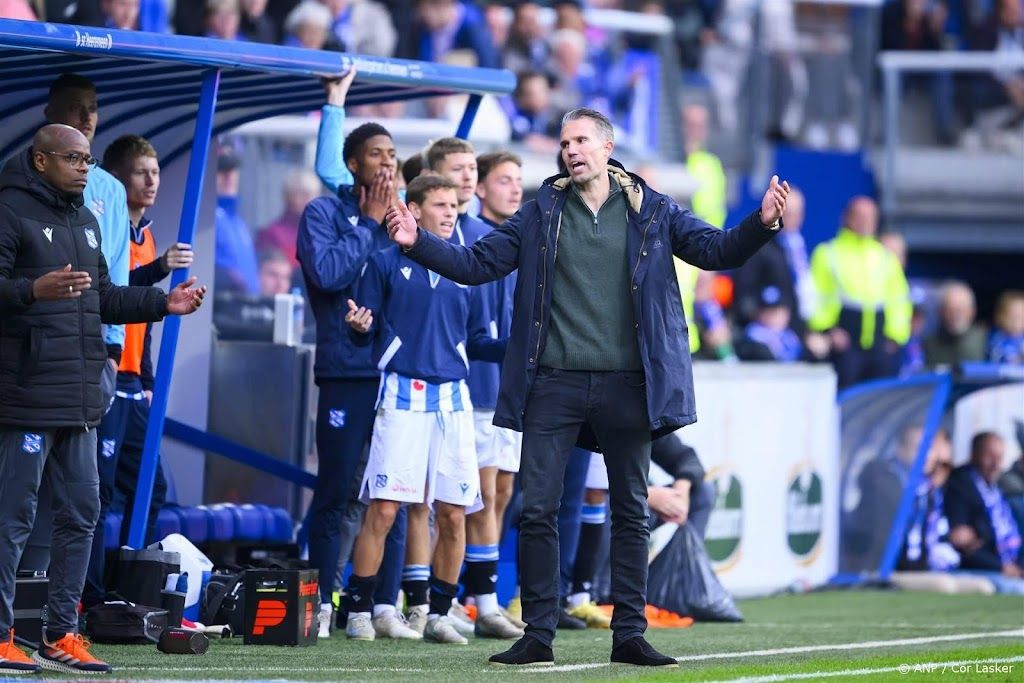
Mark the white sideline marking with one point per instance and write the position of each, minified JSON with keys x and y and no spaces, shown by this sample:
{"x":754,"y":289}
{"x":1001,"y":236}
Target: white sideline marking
{"x":1016,"y":633}
{"x":917,"y":667}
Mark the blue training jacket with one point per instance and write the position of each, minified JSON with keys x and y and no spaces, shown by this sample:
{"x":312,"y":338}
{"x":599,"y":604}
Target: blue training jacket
{"x":334,"y":244}
{"x":425,"y":326}
{"x":658,"y":229}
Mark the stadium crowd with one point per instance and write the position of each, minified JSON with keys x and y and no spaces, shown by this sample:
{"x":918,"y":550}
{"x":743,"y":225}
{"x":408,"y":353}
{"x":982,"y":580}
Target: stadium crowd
{"x":847,"y":302}
{"x":562,"y":61}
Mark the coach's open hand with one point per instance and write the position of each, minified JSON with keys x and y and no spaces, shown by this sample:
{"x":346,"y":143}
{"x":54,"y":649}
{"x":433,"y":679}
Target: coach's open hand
{"x":185,"y":299}
{"x":774,"y":203}
{"x":401,"y":225}
{"x":358,"y":318}
{"x":61,"y":284}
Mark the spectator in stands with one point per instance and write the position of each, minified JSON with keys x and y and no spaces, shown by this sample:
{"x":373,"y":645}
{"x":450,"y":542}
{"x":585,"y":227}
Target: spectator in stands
{"x":446,"y":25}
{"x":783,"y":264}
{"x":256,"y":25}
{"x":362,"y":26}
{"x":864,"y":300}
{"x":127,"y":15}
{"x":309,"y":26}
{"x":1002,"y":31}
{"x":569,"y":15}
{"x":708,"y":201}
{"x":927,"y":558}
{"x":122,"y":432}
{"x":919,"y":25}
{"x":17,"y":9}
{"x":880,"y":484}
{"x":897,"y":246}
{"x":1006,"y":345}
{"x":983,"y":529}
{"x":769,"y":337}
{"x":527,"y":46}
{"x":1012,"y":482}
{"x":957,"y":338}
{"x":497,"y":24}
{"x":120,"y":14}
{"x":51,"y":402}
{"x":694,"y":21}
{"x":533,"y":120}
{"x":300,"y":188}
{"x":913,"y":360}
{"x":576,"y":80}
{"x":710,"y":320}
{"x":73,"y":102}
{"x":223,"y":19}
{"x":276,"y":272}
{"x":235,"y":264}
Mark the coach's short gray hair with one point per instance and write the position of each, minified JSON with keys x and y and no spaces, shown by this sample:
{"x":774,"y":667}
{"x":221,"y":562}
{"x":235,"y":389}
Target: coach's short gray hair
{"x":604,"y":126}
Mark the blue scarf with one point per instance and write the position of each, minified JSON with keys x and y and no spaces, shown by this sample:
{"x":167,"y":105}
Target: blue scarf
{"x":784,"y":345}
{"x":999,"y":514}
{"x":929,"y":529}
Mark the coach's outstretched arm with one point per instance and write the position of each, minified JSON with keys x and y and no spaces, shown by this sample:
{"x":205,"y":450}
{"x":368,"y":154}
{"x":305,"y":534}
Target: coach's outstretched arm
{"x":705,"y":246}
{"x":492,"y":257}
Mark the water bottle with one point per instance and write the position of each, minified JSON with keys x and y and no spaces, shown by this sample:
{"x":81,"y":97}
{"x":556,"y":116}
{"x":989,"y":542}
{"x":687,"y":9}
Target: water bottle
{"x":298,"y":316}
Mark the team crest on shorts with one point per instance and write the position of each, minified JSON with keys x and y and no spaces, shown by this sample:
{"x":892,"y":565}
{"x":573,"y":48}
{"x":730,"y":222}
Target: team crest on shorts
{"x":32,"y":443}
{"x":381,"y":481}
{"x":108,"y":447}
{"x":336,"y":418}
{"x":90,"y":237}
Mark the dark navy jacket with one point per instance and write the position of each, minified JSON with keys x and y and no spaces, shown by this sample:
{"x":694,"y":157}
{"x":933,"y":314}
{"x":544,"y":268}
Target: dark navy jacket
{"x":422,"y":325}
{"x":333,"y":246}
{"x":658,"y":228}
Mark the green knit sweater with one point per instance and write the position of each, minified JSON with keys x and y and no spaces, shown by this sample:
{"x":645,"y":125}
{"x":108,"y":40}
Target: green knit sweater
{"x":592,"y":325}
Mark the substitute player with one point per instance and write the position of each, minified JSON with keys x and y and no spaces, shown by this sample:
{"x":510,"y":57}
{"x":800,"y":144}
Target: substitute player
{"x":422,"y":449}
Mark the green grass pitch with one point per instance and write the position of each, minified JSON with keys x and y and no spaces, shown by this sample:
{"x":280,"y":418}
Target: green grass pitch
{"x":855,"y":635}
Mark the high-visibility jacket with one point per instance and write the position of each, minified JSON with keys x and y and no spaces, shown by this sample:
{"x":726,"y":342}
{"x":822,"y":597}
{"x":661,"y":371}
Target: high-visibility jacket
{"x":857,"y":275}
{"x":686,"y":276}
{"x":708,"y":202}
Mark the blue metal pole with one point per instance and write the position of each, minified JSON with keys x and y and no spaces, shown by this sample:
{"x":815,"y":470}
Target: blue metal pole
{"x":467,"y":116}
{"x":172,"y":324}
{"x":899,"y":523}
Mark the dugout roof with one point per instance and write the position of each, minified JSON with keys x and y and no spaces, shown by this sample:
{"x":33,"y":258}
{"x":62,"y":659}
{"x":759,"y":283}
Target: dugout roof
{"x":149,"y":83}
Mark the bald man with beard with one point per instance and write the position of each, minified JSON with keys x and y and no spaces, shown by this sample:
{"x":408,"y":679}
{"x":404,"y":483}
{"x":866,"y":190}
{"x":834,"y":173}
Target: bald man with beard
{"x":55,"y":293}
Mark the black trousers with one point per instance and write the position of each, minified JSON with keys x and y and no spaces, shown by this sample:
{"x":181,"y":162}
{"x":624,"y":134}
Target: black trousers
{"x":614,"y":405}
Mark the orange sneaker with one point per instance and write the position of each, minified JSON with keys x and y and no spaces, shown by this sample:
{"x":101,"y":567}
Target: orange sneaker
{"x":13,"y":661}
{"x":69,"y":655}
{"x":662,"y":618}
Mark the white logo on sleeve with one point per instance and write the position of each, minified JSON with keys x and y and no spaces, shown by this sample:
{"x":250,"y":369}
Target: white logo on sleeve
{"x":407,"y":272}
{"x":90,"y":237}
{"x":48,"y":233}
{"x":354,"y":220}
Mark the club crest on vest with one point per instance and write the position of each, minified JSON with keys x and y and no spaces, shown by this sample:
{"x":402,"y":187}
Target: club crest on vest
{"x":90,"y":237}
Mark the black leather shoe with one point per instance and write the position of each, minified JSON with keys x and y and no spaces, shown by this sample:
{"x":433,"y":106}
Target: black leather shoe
{"x":639,"y":652}
{"x":568,"y":622}
{"x":526,"y":651}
